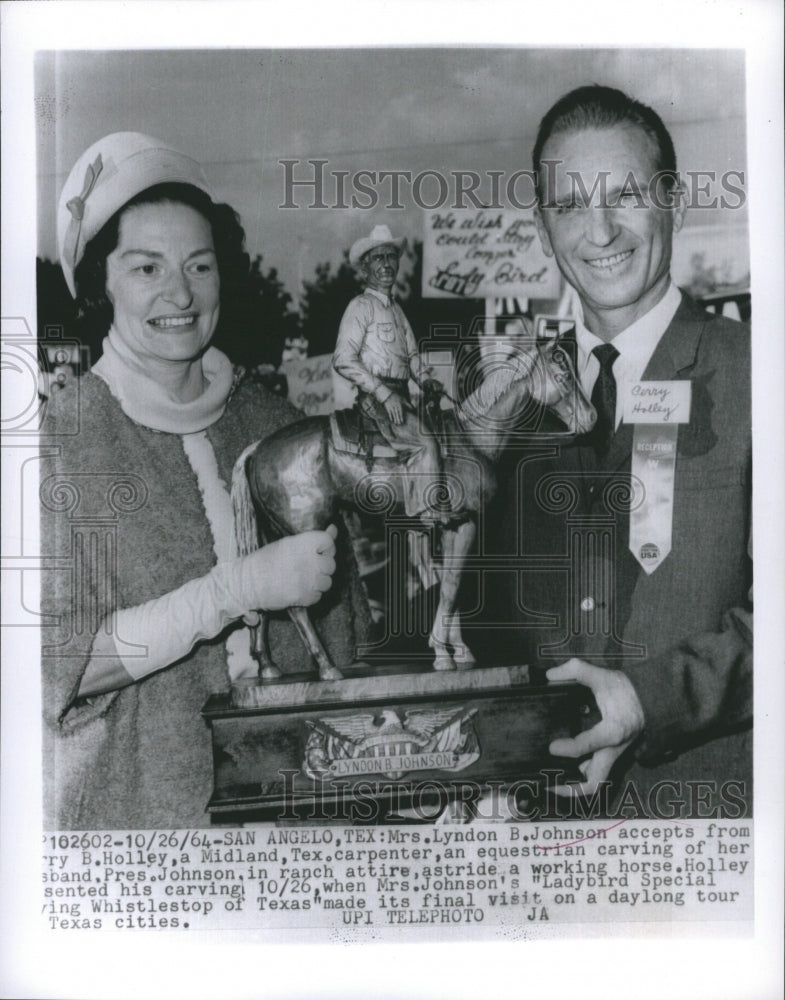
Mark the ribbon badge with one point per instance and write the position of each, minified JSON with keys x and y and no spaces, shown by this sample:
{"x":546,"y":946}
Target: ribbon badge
{"x":656,"y":409}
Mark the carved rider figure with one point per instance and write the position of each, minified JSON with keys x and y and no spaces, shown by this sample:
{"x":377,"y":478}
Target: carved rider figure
{"x":377,"y":352}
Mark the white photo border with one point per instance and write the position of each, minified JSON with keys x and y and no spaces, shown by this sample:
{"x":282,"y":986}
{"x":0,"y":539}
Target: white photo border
{"x":705,"y":964}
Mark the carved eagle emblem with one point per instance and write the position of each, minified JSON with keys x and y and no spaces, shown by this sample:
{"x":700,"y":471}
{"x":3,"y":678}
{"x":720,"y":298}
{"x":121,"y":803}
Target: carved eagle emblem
{"x":425,"y":738}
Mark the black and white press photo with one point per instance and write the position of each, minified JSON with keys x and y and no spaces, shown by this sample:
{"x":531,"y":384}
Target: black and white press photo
{"x":381,"y":524}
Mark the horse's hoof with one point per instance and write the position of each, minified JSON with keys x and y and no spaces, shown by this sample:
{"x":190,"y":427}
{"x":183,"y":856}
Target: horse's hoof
{"x":443,"y":662}
{"x":330,"y":674}
{"x":464,"y":658}
{"x":270,"y":674}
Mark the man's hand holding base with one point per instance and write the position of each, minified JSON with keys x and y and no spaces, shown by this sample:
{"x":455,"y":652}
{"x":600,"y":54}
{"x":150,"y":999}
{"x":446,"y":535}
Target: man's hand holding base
{"x":622,"y":722}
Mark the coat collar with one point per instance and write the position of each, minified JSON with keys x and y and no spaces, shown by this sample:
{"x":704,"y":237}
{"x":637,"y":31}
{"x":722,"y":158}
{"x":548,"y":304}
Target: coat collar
{"x":678,"y":346}
{"x":674,"y":355}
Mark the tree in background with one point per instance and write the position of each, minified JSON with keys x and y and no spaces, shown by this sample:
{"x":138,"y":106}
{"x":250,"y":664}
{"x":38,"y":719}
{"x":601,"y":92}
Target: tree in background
{"x":259,"y":316}
{"x":323,"y":302}
{"x":251,"y":330}
{"x":255,"y":324}
{"x":54,"y":304}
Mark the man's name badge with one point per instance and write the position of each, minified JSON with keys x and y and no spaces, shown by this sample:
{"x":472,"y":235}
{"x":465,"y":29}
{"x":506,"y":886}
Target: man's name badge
{"x":656,"y":409}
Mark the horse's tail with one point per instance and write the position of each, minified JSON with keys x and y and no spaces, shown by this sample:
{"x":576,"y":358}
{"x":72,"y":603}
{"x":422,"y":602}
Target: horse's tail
{"x":246,"y":525}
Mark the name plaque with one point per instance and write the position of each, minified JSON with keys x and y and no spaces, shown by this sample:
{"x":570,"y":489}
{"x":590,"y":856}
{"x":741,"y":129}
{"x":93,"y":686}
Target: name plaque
{"x":301,"y":748}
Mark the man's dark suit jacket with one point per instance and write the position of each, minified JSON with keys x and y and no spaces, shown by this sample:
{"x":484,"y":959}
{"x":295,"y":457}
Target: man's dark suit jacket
{"x":683,"y":635}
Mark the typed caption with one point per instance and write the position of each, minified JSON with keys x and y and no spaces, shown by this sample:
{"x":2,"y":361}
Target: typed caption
{"x":382,"y":878}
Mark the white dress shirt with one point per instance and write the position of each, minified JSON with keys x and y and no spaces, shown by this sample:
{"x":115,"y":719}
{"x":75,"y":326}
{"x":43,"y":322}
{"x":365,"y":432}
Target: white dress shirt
{"x":635,"y":345}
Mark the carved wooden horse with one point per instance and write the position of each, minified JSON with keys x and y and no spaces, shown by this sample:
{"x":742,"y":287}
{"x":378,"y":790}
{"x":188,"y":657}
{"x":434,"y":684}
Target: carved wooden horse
{"x":295,"y":480}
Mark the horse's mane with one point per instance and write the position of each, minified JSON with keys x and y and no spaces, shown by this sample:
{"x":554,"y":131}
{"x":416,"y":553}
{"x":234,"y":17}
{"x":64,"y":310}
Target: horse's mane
{"x":496,"y":383}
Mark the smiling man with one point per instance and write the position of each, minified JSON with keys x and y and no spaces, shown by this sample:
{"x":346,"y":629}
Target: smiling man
{"x":634,"y":538}
{"x":609,"y":219}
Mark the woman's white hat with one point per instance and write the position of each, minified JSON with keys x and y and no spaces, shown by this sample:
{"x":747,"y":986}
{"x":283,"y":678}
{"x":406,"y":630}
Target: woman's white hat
{"x":380,"y":237}
{"x":105,"y":177}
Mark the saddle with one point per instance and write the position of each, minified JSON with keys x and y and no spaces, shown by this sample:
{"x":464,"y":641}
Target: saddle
{"x":356,"y":434}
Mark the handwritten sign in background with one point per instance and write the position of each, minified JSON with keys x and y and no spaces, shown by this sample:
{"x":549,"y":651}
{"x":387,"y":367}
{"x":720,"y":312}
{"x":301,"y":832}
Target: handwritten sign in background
{"x":311,"y":384}
{"x":485,"y":253}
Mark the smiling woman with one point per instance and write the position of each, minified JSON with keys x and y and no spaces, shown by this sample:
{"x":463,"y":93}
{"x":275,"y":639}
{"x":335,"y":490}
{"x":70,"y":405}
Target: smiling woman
{"x":162,"y":281}
{"x":150,"y":616}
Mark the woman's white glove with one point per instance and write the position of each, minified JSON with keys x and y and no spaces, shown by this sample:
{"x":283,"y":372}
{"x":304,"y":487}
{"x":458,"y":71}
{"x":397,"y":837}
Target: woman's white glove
{"x":294,"y":571}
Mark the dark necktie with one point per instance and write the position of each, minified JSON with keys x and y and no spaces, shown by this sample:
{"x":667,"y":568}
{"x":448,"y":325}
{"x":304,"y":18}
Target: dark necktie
{"x":603,"y":399}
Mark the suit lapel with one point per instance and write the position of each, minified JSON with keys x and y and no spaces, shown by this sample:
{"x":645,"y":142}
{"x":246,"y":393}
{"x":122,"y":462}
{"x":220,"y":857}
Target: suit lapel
{"x":673,"y":354}
{"x":678,"y":346}
{"x":674,"y":357}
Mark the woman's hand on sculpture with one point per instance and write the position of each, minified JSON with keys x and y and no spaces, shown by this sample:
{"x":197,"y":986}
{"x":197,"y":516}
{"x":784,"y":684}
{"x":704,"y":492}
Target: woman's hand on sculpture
{"x":292,"y":572}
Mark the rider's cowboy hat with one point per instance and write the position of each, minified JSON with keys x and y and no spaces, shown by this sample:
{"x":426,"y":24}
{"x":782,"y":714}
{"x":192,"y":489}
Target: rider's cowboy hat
{"x":380,"y":237}
{"x":105,"y":177}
